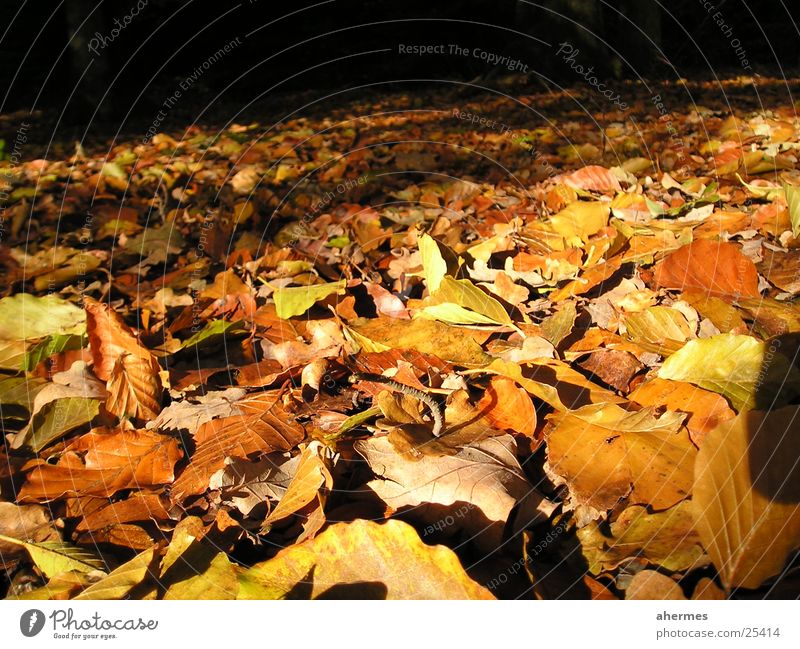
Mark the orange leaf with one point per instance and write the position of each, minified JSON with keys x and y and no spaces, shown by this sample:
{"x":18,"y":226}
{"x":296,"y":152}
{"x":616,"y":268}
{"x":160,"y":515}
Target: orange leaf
{"x":593,"y":178}
{"x":102,"y":463}
{"x":712,"y":267}
{"x":706,"y":409}
{"x":508,"y":407}
{"x":130,"y":370}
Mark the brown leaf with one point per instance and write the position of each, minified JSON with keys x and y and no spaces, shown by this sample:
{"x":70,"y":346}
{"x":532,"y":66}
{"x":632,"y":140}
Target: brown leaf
{"x":613,"y":367}
{"x":483,"y":481}
{"x":100,"y":463}
{"x":263,"y":427}
{"x":780,"y":268}
{"x":747,"y":495}
{"x":140,"y":506}
{"x":714,"y":268}
{"x":28,"y":522}
{"x":131,"y":371}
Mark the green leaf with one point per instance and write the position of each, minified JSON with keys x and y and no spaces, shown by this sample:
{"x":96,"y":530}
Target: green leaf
{"x":113,"y":170}
{"x":54,"y":344}
{"x":57,"y":558}
{"x":793,"y":200}
{"x":459,"y":301}
{"x":747,"y":371}
{"x":12,"y":354}
{"x":434,"y":265}
{"x":55,"y":420}
{"x":297,"y":300}
{"x":213,"y":333}
{"x":119,"y":582}
{"x":559,"y":325}
{"x":24,"y":316}
{"x":18,"y":391}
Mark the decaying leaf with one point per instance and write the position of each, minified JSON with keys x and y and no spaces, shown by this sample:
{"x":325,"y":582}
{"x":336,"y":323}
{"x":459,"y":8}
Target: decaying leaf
{"x":263,"y":427}
{"x":131,"y":371}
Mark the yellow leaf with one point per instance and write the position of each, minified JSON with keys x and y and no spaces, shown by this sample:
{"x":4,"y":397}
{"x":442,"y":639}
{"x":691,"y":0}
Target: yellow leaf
{"x":580,"y":220}
{"x":747,"y":495}
{"x":296,"y":300}
{"x":605,"y":453}
{"x":119,"y":582}
{"x":362,"y":560}
{"x":433,"y":263}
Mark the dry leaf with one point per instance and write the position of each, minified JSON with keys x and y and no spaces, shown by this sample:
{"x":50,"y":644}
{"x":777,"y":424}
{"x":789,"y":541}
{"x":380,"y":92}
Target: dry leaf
{"x":604,"y":454}
{"x":747,"y":495}
{"x":392,"y":563}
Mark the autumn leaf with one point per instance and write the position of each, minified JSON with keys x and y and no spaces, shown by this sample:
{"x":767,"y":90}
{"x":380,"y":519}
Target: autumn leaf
{"x":263,"y":427}
{"x":745,"y":370}
{"x":130,"y":370}
{"x":710,"y":267}
{"x":746,"y":500}
{"x":393,"y":563}
{"x":485,"y":478}
{"x":667,"y":539}
{"x":100,"y":463}
{"x":604,"y":454}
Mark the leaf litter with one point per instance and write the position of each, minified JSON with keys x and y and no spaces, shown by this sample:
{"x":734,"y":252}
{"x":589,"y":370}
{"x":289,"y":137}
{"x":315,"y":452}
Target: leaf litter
{"x":610,"y":340}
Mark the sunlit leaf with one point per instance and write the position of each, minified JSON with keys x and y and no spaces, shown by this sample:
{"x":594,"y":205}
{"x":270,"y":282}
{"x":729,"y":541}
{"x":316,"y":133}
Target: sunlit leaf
{"x":57,"y":558}
{"x":747,"y":371}
{"x":296,"y":300}
{"x":747,"y":495}
{"x":392,"y":563}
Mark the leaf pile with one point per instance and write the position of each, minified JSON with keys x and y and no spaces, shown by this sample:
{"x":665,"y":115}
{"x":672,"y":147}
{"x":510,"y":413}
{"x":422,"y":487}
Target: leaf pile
{"x":608,"y":321}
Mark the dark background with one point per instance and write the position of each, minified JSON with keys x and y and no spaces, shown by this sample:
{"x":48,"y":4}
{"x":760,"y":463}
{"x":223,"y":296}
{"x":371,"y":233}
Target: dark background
{"x":45,"y":63}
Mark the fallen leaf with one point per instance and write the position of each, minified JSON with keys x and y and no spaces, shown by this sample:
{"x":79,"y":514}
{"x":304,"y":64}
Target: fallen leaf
{"x":311,"y":484}
{"x":55,"y":558}
{"x":131,"y":371}
{"x":393,"y":563}
{"x":296,"y":300}
{"x":747,"y":495}
{"x":649,"y":584}
{"x":747,"y":371}
{"x":508,"y":407}
{"x":667,"y":539}
{"x":485,"y":477}
{"x":714,"y":268}
{"x":706,"y":410}
{"x":25,"y":317}
{"x":102,"y":463}
{"x":263,"y":427}
{"x":119,"y":582}
{"x":604,"y":454}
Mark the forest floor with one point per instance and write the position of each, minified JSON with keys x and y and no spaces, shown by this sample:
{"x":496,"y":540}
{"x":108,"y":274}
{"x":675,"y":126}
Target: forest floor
{"x":422,"y":345}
